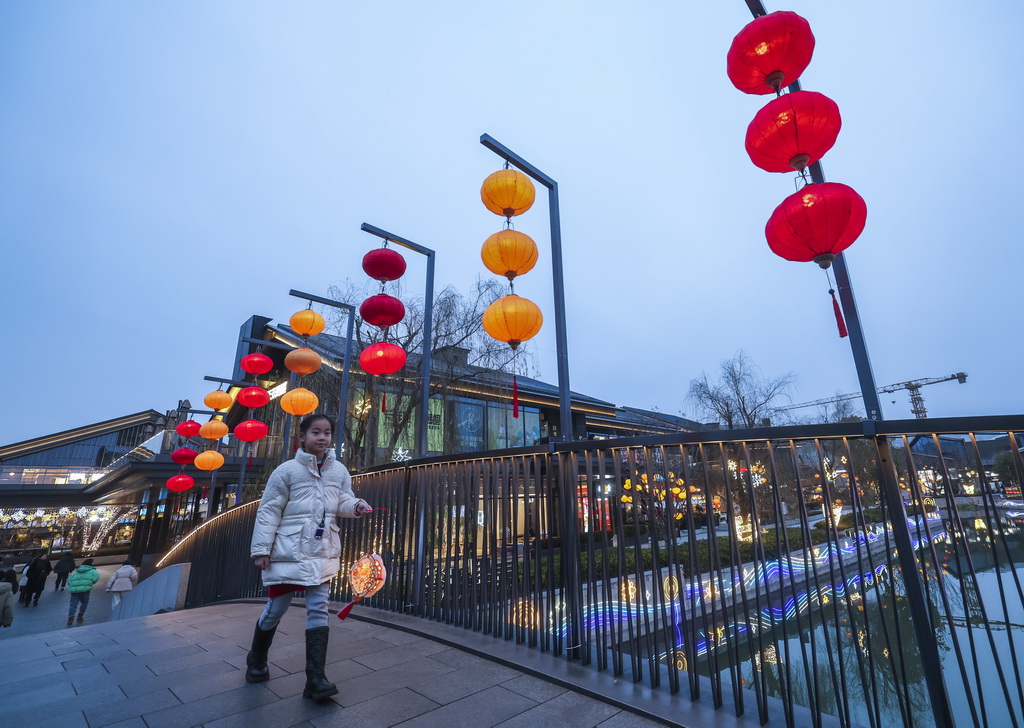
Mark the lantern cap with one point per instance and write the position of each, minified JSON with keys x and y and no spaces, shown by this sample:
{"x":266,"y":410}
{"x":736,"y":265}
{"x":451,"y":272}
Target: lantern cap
{"x":824,"y":260}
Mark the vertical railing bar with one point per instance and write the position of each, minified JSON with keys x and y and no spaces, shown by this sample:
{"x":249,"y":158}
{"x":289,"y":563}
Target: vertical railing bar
{"x":929,"y":654}
{"x":730,"y":608}
{"x":634,"y":617}
{"x":832,"y":550}
{"x":650,"y":631}
{"x":589,"y":634}
{"x":991,"y":516}
{"x":693,"y":577}
{"x":856,"y":581}
{"x":947,"y":607}
{"x":860,"y":528}
{"x":670,"y":614}
{"x":709,"y":594}
{"x":760,"y":563}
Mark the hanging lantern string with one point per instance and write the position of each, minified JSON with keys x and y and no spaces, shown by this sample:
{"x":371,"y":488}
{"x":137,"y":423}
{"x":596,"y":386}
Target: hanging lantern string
{"x":515,"y":384}
{"x":801,"y":177}
{"x":840,"y":323}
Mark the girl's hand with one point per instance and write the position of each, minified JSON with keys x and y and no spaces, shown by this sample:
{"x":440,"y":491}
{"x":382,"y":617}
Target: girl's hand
{"x":262,"y":562}
{"x":362,"y":509}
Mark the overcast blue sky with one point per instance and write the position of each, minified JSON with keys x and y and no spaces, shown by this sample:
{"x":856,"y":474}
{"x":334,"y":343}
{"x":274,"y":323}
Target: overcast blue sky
{"x":169,"y":169}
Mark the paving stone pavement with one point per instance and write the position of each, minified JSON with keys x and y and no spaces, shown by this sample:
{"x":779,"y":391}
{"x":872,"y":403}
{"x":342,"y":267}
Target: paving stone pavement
{"x":186,"y":669}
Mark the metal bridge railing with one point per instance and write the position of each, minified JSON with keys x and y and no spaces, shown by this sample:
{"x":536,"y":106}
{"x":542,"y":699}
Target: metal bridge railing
{"x":865,"y":574}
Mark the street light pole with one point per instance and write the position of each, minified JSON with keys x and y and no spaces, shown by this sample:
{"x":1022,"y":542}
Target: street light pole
{"x":428,"y":331}
{"x":566,"y":432}
{"x":346,"y":365}
{"x":861,"y":360}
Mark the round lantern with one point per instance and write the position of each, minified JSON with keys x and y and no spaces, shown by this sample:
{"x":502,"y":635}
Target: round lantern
{"x":793,"y":131}
{"x":770,"y":52}
{"x":302,"y":361}
{"x":209,"y":460}
{"x":816,"y":223}
{"x":382,"y":358}
{"x":508,"y":192}
{"x":251,"y":430}
{"x":384,"y":264}
{"x":184,"y":456}
{"x":180,"y":483}
{"x":307,"y":322}
{"x":513,"y":319}
{"x":252,"y":397}
{"x":213,"y":430}
{"x":256,"y":363}
{"x":509,"y":253}
{"x":217,"y":400}
{"x":188,"y":428}
{"x":382,"y":310}
{"x":299,"y":401}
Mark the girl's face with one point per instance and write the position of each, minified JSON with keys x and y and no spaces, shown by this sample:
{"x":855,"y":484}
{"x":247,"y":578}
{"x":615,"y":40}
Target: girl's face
{"x":317,"y":438}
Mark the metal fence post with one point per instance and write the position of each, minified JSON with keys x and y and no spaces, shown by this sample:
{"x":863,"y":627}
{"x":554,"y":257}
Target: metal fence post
{"x":931,"y":662}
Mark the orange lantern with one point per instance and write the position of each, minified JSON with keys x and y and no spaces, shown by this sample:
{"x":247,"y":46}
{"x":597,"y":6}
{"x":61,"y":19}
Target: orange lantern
{"x":213,"y":430}
{"x":302,"y":361}
{"x":513,"y":319}
{"x":509,"y":253}
{"x":217,"y":400}
{"x":299,"y":401}
{"x":209,"y":460}
{"x":307,"y":322}
{"x":508,"y":192}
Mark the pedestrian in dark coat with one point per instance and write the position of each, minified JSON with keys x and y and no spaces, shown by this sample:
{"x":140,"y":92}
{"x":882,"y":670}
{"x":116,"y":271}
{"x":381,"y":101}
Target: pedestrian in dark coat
{"x":37,"y":572}
{"x":64,"y":566}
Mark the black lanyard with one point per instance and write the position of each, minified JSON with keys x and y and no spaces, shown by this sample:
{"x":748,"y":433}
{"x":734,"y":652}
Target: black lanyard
{"x":320,"y":529}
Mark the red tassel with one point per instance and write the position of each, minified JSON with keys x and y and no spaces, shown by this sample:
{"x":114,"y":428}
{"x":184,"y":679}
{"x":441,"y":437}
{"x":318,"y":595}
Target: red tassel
{"x":843,"y":333}
{"x":345,"y":610}
{"x":515,"y":396}
{"x":383,"y":408}
{"x":250,"y":460}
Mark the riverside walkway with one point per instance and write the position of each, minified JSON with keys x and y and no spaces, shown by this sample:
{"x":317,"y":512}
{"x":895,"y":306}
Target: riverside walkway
{"x":186,"y":668}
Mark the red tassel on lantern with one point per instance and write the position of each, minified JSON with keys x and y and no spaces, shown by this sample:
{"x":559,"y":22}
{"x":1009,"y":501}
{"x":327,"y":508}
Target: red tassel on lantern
{"x":515,"y":397}
{"x":383,"y":403}
{"x":843,"y":333}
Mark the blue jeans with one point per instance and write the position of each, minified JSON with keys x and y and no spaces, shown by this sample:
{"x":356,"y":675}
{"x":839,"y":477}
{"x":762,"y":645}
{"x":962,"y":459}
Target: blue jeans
{"x":316,"y":608}
{"x":80,"y":600}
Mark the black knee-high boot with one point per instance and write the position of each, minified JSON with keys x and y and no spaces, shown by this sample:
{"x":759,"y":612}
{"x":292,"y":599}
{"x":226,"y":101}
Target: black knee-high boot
{"x":317,"y":687}
{"x":257,"y":657}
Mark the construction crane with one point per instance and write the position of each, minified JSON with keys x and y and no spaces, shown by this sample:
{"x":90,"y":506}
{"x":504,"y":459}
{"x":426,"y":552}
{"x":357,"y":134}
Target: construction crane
{"x":913,"y":387}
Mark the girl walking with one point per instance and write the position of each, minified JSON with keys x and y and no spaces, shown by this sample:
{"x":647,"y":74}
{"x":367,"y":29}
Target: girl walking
{"x":297,"y":546}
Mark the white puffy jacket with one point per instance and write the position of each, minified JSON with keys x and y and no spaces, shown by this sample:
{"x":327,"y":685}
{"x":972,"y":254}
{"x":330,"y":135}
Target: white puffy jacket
{"x":298,"y":498}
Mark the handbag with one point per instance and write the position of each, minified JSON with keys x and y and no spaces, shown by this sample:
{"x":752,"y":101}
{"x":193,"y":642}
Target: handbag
{"x":24,"y":581}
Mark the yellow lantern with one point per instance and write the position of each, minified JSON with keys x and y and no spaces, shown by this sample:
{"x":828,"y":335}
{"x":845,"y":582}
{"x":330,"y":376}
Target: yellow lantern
{"x":307,"y":322}
{"x":508,"y":192}
{"x":217,"y":400}
{"x":302,"y":361}
{"x":513,"y":319}
{"x":213,"y":430}
{"x":509,"y":253}
{"x":209,"y":460}
{"x":299,"y":401}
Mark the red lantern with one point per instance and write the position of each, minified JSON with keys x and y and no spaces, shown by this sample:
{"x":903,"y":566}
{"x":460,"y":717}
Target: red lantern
{"x":382,"y":358}
{"x":256,"y":363}
{"x":188,"y":428}
{"x":252,"y":397}
{"x":382,"y":310}
{"x":184,"y":456}
{"x":384,"y":264}
{"x":180,"y":483}
{"x":770,"y":52}
{"x":251,"y":430}
{"x":793,"y":131}
{"x":816,"y":223}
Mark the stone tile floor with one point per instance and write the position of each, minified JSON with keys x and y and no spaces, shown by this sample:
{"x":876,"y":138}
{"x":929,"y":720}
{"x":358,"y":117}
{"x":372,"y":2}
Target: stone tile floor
{"x":186,"y":669}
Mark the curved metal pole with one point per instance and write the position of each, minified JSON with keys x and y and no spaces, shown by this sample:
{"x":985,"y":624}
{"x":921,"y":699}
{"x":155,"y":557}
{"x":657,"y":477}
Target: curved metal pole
{"x":565,"y":427}
{"x":428,"y":331}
